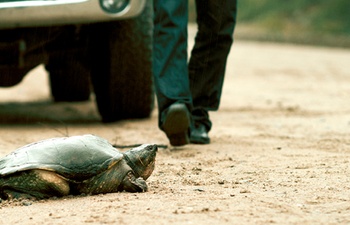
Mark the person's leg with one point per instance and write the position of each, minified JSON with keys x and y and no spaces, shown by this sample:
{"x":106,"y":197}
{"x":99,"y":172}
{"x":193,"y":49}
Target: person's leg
{"x":170,"y":68}
{"x":216,"y":22}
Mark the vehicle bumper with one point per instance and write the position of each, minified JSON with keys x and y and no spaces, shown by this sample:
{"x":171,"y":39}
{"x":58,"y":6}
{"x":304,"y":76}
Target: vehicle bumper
{"x":60,"y":12}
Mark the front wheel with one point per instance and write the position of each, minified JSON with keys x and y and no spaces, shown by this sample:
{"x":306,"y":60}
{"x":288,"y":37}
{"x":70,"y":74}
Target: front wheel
{"x":121,"y":67}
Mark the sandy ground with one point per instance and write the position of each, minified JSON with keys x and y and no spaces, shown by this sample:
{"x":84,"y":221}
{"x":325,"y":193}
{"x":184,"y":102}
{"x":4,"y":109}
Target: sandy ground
{"x":279,"y":153}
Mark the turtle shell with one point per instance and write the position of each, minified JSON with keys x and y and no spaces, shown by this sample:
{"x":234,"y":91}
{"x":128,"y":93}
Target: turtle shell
{"x":76,"y":158}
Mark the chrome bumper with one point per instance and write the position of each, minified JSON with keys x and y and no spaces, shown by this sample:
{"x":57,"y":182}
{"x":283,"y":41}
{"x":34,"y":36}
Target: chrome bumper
{"x":31,"y":13}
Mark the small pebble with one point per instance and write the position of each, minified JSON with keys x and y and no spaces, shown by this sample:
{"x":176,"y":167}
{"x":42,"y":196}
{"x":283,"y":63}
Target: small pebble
{"x":199,"y":189}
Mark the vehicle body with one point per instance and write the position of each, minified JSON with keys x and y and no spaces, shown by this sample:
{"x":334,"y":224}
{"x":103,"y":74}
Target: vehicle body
{"x":106,"y":43}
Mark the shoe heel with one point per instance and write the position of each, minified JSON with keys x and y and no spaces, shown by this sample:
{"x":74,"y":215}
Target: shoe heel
{"x":179,"y":139}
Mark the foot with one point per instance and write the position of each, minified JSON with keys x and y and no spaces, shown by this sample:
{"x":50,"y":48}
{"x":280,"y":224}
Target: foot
{"x":132,"y":184}
{"x":176,"y":124}
{"x":199,"y":135}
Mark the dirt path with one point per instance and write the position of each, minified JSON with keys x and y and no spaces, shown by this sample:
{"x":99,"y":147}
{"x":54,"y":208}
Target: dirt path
{"x":279,"y":154}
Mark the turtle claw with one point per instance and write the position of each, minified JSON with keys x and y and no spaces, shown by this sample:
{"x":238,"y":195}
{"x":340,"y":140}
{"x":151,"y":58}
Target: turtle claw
{"x":141,"y":184}
{"x":132,"y":184}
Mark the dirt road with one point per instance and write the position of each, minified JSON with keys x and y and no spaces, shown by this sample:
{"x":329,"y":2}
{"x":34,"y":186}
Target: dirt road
{"x":279,"y":154}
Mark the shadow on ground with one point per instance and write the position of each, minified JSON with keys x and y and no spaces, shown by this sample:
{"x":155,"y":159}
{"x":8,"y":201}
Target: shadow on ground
{"x":36,"y":112}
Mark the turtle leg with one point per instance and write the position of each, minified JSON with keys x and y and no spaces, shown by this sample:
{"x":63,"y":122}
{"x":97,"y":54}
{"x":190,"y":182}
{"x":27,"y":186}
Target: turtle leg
{"x":33,"y":184}
{"x":118,"y":177}
{"x":8,"y":194}
{"x":132,"y":184}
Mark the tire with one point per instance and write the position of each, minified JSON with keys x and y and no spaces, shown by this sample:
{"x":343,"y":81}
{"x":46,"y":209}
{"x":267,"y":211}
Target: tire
{"x":69,"y":80}
{"x":121,"y":61}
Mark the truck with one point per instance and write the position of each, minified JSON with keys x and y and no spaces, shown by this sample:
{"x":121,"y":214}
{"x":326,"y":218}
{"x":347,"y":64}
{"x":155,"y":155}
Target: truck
{"x":98,"y":48}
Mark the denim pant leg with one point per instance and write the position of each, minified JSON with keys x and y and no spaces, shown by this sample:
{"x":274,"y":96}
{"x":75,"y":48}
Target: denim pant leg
{"x":216,"y":22}
{"x":170,"y":54}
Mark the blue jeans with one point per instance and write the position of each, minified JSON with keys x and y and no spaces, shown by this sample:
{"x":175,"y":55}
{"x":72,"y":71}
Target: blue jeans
{"x":197,"y":82}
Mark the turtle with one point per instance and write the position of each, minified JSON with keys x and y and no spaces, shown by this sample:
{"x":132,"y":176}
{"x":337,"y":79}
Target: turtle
{"x":84,"y":164}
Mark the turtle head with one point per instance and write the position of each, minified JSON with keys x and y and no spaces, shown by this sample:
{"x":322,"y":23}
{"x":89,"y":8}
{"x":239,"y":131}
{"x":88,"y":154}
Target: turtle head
{"x":142,"y":159}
